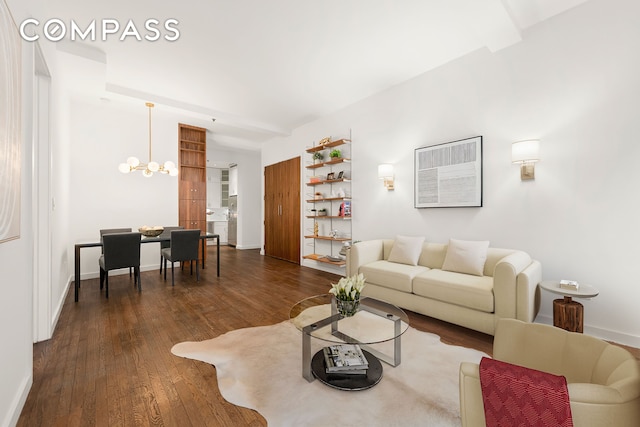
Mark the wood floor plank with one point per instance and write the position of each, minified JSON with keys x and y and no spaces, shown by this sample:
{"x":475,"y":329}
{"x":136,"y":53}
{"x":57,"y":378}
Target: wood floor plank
{"x":109,"y":362}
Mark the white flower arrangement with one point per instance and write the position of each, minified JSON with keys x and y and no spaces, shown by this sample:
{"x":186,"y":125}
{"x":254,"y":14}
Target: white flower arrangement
{"x":348,"y":288}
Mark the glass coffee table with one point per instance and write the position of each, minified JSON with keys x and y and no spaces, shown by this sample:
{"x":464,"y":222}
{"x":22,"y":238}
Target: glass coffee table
{"x":377,"y":328}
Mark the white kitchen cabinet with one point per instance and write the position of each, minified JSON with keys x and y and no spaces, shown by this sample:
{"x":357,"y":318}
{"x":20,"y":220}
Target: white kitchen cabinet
{"x":233,"y":180}
{"x":221,"y":228}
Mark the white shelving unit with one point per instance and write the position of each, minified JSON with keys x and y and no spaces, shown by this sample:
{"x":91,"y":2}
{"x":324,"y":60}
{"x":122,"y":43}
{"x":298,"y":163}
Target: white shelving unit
{"x":328,"y":203}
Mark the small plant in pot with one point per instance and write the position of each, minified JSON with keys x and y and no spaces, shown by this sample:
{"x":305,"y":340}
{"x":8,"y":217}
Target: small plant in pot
{"x":322,"y":212}
{"x":335,"y":154}
{"x":318,"y":156}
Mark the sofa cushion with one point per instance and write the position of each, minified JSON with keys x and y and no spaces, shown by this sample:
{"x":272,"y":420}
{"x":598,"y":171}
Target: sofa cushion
{"x":466,"y":256}
{"x":406,"y":250}
{"x":432,"y":255}
{"x":391,"y":275}
{"x":474,"y":292}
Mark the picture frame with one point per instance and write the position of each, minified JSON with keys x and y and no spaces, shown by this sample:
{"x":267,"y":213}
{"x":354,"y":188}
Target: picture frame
{"x":340,"y":175}
{"x":10,"y":134}
{"x":449,"y":174}
{"x":331,"y":176}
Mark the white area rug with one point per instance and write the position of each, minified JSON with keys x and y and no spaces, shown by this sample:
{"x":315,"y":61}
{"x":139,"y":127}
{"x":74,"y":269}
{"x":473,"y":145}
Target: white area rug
{"x":261,"y":368}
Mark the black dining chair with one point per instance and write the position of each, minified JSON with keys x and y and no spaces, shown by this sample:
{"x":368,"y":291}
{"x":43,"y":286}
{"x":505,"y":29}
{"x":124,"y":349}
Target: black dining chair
{"x":166,"y":243}
{"x":184,"y":247}
{"x":113,"y":231}
{"x":121,"y":250}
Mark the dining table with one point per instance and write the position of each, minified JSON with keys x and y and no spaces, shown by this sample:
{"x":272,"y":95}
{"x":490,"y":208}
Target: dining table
{"x":144,"y":239}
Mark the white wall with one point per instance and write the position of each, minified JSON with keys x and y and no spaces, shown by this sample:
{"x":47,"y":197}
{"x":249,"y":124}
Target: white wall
{"x":16,"y":277}
{"x":61,"y":252}
{"x":103,"y":135}
{"x":16,"y":261}
{"x":572,"y":82}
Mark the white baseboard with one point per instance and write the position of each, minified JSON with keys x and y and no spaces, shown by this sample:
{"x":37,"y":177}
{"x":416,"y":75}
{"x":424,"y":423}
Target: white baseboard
{"x":18,"y":402}
{"x":244,"y":247}
{"x":603,"y":334}
{"x":58,"y":308}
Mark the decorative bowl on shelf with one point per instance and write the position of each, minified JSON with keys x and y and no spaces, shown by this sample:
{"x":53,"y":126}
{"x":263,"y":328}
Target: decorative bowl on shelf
{"x":151,"y":231}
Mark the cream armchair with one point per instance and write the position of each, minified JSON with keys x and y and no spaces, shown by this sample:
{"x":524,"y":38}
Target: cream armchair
{"x":603,"y":379}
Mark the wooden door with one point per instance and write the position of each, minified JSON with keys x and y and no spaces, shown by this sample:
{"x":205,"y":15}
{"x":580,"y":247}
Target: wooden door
{"x":271,"y":211}
{"x":282,"y":210}
{"x":290,"y":211}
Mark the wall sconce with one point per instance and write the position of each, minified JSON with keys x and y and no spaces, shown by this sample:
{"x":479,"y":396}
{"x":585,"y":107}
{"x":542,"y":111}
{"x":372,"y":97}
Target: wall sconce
{"x":385,"y":172}
{"x":526,"y":153}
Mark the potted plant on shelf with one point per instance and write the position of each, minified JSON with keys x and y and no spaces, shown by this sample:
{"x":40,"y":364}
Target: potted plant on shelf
{"x":322,"y":212}
{"x":335,"y":154}
{"x":318,"y":157}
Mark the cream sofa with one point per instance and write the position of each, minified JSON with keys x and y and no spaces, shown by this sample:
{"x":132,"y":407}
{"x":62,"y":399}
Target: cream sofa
{"x":506,"y":287}
{"x":603,"y":380}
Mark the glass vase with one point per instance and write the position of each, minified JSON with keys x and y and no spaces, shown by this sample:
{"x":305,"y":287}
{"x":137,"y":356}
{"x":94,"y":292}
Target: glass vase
{"x":347,"y":308}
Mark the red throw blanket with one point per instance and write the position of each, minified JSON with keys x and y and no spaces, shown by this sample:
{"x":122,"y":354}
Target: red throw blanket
{"x":518,"y":396}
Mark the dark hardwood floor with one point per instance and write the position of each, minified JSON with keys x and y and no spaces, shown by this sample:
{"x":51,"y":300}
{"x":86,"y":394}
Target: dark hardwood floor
{"x":109,"y":361}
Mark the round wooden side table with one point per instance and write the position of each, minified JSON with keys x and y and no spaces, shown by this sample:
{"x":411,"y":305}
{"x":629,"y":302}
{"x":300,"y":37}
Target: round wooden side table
{"x":567,"y":313}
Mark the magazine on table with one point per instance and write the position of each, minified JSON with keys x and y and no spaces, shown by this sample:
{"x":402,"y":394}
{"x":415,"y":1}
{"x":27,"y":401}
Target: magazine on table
{"x":347,"y":373}
{"x":345,"y":359}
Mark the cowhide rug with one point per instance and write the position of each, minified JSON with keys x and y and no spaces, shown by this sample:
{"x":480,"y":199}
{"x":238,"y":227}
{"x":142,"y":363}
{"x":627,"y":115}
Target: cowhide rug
{"x":261,"y":368}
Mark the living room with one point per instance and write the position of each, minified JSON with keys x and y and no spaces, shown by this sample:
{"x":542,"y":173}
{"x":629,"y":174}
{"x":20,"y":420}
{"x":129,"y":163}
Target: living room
{"x":570,"y":82}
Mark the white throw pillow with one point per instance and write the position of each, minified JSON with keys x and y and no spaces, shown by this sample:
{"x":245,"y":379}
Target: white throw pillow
{"x":406,"y":250}
{"x":466,"y":256}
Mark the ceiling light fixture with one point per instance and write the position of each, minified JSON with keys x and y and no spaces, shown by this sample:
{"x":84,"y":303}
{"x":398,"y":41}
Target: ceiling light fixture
{"x":133,"y":164}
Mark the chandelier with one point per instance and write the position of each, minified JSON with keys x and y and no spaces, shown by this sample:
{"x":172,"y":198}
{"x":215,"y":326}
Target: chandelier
{"x":133,"y":164}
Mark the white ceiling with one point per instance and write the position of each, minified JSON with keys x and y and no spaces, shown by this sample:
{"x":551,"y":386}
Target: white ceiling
{"x":264,"y":67}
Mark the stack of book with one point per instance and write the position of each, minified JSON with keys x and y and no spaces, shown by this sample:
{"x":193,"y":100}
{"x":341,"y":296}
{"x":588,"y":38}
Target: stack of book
{"x":345,"y":359}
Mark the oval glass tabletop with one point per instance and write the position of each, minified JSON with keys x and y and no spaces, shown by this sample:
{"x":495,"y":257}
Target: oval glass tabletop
{"x":374,"y":322}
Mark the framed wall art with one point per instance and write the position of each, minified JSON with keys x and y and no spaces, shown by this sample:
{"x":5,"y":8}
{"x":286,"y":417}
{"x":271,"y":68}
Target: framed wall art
{"x":449,"y":175}
{"x":10,"y":125}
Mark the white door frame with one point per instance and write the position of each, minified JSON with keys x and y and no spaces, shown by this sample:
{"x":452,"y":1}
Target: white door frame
{"x":41,"y":199}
